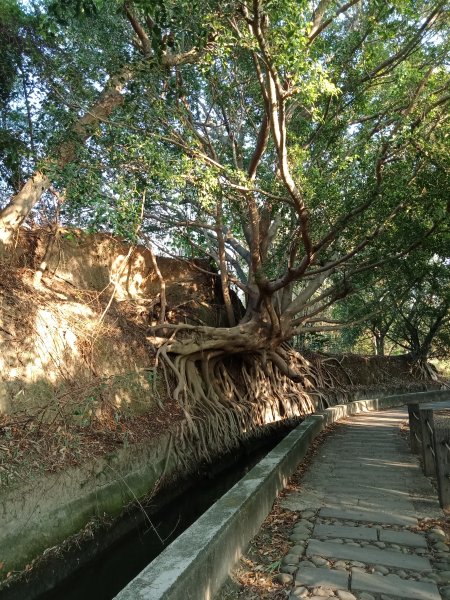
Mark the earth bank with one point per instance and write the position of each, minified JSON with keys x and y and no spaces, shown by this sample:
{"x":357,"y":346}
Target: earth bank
{"x":87,"y":420}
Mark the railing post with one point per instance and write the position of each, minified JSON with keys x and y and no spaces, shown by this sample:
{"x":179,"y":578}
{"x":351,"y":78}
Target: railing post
{"x":414,"y":427}
{"x":427,"y":435}
{"x":442,"y":448}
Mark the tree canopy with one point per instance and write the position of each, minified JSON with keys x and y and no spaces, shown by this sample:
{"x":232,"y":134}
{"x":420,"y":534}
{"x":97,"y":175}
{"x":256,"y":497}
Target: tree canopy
{"x":301,"y":145}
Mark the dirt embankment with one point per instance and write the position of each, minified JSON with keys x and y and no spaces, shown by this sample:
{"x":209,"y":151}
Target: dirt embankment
{"x":84,"y":408}
{"x":77,"y":372}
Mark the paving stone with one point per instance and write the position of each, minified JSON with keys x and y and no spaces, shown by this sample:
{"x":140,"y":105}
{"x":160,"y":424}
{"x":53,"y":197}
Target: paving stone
{"x":439,"y":532}
{"x":294,"y":595}
{"x":308,"y":563}
{"x":308,"y":514}
{"x":303,"y":528}
{"x":323,"y":592}
{"x":369,"y":498}
{"x":333,"y":479}
{"x":284,"y":578}
{"x":416,"y":590}
{"x":368,"y":555}
{"x":303,"y":533}
{"x":336,"y":580}
{"x":442,"y":579}
{"x":445,"y":593}
{"x":381,"y":569}
{"x":298,"y":538}
{"x":365,"y":596}
{"x":344,"y":595}
{"x":357,"y":570}
{"x":368,"y":516}
{"x":291,"y":559}
{"x":297,"y":549}
{"x":441,"y":547}
{"x":442,"y":566}
{"x":300,"y":592}
{"x":319,"y":561}
{"x":291,"y":569}
{"x":354,"y":533}
{"x":405,"y":538}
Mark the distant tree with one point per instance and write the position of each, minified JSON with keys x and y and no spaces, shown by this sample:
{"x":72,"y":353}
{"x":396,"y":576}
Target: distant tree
{"x":424,"y":313}
{"x":409,"y":308}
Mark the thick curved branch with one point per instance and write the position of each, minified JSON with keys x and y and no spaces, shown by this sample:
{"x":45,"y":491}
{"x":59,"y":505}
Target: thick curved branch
{"x":319,"y":24}
{"x":145,"y":43}
{"x":223,"y":265}
{"x":261,"y":144}
{"x":272,"y":89}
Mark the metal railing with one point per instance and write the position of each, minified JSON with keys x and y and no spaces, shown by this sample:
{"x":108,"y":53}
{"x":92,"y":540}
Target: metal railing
{"x":430,"y":437}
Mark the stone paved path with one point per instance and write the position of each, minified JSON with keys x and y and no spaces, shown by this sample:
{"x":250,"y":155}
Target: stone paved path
{"x":360,"y":504}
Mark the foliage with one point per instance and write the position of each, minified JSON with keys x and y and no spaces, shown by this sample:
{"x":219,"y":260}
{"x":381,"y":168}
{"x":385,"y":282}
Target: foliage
{"x":299,"y":145}
{"x":408,"y":309}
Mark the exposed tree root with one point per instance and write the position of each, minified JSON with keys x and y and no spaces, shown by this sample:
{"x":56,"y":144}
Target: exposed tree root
{"x":227,"y":397}
{"x":423,"y":370}
{"x":232,"y":383}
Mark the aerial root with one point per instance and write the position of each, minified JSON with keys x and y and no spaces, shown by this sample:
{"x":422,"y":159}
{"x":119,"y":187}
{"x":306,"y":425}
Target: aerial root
{"x":227,"y":398}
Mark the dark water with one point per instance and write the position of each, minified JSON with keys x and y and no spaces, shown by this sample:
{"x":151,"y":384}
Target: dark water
{"x":110,"y":568}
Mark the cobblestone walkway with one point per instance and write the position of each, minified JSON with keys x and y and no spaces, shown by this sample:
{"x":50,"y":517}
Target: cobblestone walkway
{"x":361,"y":506}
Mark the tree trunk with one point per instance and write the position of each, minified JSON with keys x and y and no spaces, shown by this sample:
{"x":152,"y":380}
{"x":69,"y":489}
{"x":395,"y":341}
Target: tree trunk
{"x":15,"y":213}
{"x":379,"y":344}
{"x":223,"y":266}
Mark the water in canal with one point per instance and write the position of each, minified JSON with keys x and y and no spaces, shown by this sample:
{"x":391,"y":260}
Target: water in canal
{"x":113,"y":566}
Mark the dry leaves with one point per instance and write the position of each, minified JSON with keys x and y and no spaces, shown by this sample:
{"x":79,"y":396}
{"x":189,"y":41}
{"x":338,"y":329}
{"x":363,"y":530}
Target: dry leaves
{"x":253,"y":577}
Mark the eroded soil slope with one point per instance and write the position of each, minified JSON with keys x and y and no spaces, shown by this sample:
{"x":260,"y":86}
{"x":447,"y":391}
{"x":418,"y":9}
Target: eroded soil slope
{"x":76,"y":369}
{"x":78,"y":372}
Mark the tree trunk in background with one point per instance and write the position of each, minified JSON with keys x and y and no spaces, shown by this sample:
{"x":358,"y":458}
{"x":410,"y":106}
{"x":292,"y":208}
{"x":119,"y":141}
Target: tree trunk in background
{"x":379,"y":344}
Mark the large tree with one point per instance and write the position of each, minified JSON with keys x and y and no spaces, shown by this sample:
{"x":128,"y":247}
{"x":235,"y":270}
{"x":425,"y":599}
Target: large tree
{"x":287,"y":140}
